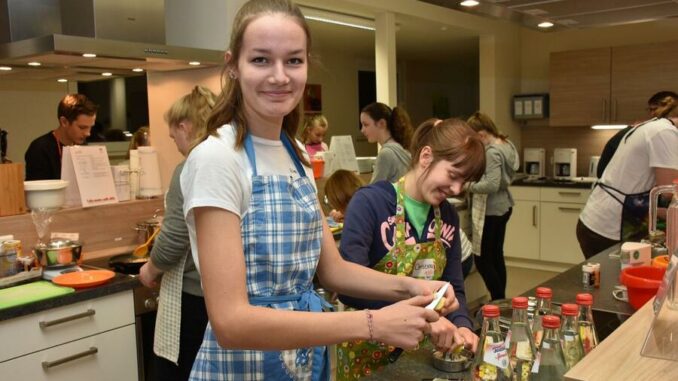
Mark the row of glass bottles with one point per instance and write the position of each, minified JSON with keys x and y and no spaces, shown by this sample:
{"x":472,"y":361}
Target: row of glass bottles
{"x":518,"y":357}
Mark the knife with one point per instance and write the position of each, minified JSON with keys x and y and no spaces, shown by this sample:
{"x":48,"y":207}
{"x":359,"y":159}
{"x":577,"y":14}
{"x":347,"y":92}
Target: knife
{"x":393,"y":356}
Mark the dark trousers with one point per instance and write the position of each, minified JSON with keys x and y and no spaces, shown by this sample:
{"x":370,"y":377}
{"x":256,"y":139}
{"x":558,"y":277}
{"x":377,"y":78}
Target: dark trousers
{"x":591,"y":243}
{"x":490,"y":263}
{"x":193,"y":323}
{"x":467,"y":265}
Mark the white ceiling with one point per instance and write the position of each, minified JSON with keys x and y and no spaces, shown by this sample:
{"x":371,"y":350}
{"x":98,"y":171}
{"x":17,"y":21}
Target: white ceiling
{"x":570,"y":13}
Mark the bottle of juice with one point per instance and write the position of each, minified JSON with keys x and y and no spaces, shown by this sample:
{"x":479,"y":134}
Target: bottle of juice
{"x":543,"y":308}
{"x":587,"y":328}
{"x":551,"y":359}
{"x":491,"y":361}
{"x":569,"y":335}
{"x":520,"y":343}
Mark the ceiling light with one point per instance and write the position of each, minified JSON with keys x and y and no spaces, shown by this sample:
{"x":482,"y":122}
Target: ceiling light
{"x":5,"y":68}
{"x":469,"y":3}
{"x":545,"y":24}
{"x":609,"y":126}
{"x":89,"y":55}
{"x":62,"y":80}
{"x":34,"y":63}
{"x":137,"y":70}
{"x":194,"y":63}
{"x":342,"y":19}
{"x":107,"y":74}
{"x":337,"y":22}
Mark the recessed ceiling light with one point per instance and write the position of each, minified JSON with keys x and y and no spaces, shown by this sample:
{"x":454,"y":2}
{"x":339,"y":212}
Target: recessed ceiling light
{"x":34,"y":63}
{"x":194,"y":63}
{"x":5,"y":68}
{"x":545,"y":24}
{"x":107,"y":74}
{"x":89,"y":55}
{"x":62,"y":80}
{"x":469,"y":3}
{"x":137,"y":70}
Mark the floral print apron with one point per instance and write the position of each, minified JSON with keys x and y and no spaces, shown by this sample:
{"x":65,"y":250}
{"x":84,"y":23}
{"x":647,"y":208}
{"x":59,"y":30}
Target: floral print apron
{"x":281,"y":233}
{"x":425,"y":260}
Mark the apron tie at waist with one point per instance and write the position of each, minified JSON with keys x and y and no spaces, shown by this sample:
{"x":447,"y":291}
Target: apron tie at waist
{"x":308,"y":300}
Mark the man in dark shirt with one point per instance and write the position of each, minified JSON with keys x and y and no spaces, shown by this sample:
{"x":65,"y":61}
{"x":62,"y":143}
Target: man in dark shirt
{"x":77,"y":115}
{"x":611,"y":146}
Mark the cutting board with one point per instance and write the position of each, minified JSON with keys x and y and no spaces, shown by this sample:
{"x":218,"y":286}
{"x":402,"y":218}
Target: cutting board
{"x":12,"y":198}
{"x":31,"y":292}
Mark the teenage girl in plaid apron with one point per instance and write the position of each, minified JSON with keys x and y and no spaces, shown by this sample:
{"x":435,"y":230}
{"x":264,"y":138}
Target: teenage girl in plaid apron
{"x":257,"y":234}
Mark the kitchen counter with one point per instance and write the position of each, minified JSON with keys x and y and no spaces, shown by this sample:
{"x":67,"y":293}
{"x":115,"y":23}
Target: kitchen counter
{"x":120,"y":283}
{"x":416,"y":366}
{"x":607,"y":311}
{"x":552,"y":183}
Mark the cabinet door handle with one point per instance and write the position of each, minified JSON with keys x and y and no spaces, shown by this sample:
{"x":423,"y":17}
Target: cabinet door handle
{"x":45,"y":324}
{"x":48,"y":364}
{"x":563,"y":209}
{"x":570,"y":193}
{"x":534,"y":215}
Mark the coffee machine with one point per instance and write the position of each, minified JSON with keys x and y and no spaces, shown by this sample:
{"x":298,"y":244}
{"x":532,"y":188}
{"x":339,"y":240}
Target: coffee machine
{"x":533,"y":162}
{"x":564,"y":163}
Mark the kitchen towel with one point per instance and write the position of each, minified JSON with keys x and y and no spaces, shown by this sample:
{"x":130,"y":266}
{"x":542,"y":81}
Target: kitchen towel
{"x":168,"y":321}
{"x":149,"y":175}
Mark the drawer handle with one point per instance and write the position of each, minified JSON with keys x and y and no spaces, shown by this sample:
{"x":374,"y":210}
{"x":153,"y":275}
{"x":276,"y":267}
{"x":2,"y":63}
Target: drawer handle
{"x":570,"y":193}
{"x":45,"y":324}
{"x":563,"y":209}
{"x":534,"y":215}
{"x":48,"y":364}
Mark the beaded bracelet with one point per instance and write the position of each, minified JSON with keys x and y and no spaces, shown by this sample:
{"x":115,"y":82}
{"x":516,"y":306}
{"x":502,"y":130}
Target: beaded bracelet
{"x":370,"y":324}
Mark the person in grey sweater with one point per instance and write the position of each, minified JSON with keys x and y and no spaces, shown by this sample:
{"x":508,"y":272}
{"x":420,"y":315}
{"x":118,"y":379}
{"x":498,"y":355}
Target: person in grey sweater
{"x":501,"y":163}
{"x":182,"y":315}
{"x":392,"y":129}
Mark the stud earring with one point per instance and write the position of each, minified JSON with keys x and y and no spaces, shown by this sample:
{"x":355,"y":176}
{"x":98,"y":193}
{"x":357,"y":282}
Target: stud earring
{"x":231,"y":75}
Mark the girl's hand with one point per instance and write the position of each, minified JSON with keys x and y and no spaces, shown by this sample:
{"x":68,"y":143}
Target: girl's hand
{"x":148,"y":275}
{"x":337,"y":215}
{"x":446,"y":336}
{"x":404,"y":324}
{"x":467,"y":338}
{"x":429,"y":287}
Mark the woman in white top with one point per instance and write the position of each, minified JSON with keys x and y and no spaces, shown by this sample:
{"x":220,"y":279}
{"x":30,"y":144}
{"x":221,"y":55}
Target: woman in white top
{"x":617,"y":209}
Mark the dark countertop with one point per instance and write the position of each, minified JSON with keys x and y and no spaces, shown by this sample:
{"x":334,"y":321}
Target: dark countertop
{"x":551,"y":183}
{"x":120,"y":283}
{"x":416,"y":366}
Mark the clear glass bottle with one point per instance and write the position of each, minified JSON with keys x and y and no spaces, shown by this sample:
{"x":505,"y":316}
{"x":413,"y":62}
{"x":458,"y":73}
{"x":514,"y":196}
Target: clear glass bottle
{"x":521,"y":349}
{"x":543,"y":308}
{"x":569,"y":335}
{"x":552,"y":365}
{"x":587,"y":327}
{"x":491,"y":359}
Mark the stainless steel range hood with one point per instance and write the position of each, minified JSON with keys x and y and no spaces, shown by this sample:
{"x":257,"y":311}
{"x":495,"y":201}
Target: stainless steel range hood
{"x":123,"y":34}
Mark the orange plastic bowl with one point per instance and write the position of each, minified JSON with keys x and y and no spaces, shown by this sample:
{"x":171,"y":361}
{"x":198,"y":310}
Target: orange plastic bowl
{"x":642,"y":283}
{"x":661,"y":261}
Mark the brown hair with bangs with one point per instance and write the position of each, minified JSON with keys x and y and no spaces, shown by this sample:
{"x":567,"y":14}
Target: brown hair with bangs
{"x":451,"y":140}
{"x":229,"y":106}
{"x":340,"y":187}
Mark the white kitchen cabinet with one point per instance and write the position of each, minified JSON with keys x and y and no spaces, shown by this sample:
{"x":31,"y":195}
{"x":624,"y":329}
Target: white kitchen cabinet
{"x":96,"y":336}
{"x":542,"y":226}
{"x":522,"y":230}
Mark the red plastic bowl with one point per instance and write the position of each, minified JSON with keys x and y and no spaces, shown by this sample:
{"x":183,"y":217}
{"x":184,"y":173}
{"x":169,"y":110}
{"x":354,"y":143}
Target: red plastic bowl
{"x":642,"y":283}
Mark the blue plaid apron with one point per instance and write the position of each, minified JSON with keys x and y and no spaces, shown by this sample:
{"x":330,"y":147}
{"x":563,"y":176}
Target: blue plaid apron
{"x":281,"y":233}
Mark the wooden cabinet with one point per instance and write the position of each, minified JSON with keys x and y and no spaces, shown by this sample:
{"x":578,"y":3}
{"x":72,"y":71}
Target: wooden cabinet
{"x":543,"y":224}
{"x":609,"y":85}
{"x":93,"y":339}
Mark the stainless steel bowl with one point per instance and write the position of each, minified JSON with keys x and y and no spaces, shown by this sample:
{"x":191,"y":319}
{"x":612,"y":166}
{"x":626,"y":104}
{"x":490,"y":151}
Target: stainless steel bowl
{"x":453,"y":362}
{"x":58,"y":253}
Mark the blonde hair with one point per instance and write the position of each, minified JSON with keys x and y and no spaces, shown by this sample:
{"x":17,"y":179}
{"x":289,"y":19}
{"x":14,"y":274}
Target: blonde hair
{"x":481,"y":122}
{"x":451,"y":140}
{"x":340,"y":187}
{"x":195,"y":107}
{"x":229,"y":107}
{"x":317,"y":120}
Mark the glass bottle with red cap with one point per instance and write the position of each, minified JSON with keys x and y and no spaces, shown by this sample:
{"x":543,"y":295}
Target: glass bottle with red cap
{"x":569,"y":335}
{"x":491,"y":360}
{"x":587,"y":328}
{"x":551,"y":361}
{"x":543,"y":308}
{"x":520,"y":342}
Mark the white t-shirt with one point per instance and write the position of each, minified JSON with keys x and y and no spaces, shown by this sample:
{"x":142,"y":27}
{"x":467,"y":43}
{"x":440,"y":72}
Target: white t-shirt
{"x":631,"y":170}
{"x":218,"y":175}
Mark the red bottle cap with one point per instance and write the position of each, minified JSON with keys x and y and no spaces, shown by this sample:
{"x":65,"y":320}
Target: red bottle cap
{"x":519,"y":302}
{"x":490,"y":310}
{"x":569,"y":309}
{"x":585,"y":299}
{"x":550,"y":321}
{"x":544,"y":292}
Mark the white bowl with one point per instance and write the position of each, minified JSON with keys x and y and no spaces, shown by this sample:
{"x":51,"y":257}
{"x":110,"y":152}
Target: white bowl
{"x":45,"y":194}
{"x":366,"y":163}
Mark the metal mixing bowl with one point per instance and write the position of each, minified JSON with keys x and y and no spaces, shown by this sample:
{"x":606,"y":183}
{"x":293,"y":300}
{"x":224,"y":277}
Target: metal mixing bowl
{"x":454,"y":362}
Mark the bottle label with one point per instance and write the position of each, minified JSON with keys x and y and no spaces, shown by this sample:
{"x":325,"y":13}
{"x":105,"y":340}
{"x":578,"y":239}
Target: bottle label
{"x":495,"y":354}
{"x":523,"y":350}
{"x":537,"y":360}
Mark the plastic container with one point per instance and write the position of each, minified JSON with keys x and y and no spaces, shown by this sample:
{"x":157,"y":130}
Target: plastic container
{"x":45,"y":194}
{"x":318,"y":165}
{"x":642,"y":283}
{"x":661,"y":261}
